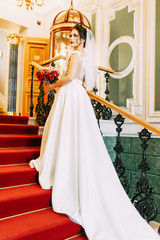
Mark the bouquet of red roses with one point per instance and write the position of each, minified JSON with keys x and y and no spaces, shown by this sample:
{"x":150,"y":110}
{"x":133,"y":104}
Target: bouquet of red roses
{"x":48,"y":75}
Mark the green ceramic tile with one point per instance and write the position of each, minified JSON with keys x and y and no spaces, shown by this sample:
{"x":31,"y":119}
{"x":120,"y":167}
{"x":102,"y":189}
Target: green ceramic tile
{"x":110,"y":143}
{"x":112,"y":156}
{"x":135,"y":176}
{"x":152,"y":150}
{"x":131,"y":161}
{"x":154,"y":163}
{"x":157,"y":201}
{"x":127,"y":174}
{"x":135,"y":146}
{"x":152,"y":179}
{"x":125,"y":141}
{"x":154,"y":147}
{"x":131,"y":192}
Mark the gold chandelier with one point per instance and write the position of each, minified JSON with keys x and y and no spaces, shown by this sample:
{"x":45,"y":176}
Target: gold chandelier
{"x":30,"y":3}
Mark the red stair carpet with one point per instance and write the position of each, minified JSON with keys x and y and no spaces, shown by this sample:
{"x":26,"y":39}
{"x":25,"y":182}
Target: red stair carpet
{"x":25,"y":208}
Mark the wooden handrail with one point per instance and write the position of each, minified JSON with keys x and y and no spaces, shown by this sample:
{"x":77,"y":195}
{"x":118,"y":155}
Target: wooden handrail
{"x":105,"y":69}
{"x":36,"y":65}
{"x":39,"y":65}
{"x":52,"y":59}
{"x":126,"y":114}
{"x":63,"y":57}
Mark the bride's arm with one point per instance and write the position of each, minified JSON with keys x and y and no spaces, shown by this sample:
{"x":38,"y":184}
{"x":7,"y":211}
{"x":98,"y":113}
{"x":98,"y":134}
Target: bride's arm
{"x":73,"y":68}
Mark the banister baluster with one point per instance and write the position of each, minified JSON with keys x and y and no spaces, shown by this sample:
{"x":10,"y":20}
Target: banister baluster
{"x":142,"y":198}
{"x":102,"y":111}
{"x":97,"y":107}
{"x":118,"y":164}
{"x":31,"y":92}
{"x":41,"y":108}
{"x":51,"y":97}
{"x":106,"y":111}
{"x":107,"y":76}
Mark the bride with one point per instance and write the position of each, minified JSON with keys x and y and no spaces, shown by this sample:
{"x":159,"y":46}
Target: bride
{"x":74,"y":160}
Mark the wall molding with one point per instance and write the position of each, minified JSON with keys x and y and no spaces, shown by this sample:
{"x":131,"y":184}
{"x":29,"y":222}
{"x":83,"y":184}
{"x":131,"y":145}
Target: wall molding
{"x":129,"y":68}
{"x":151,"y":114}
{"x":129,"y":128}
{"x":109,"y":9}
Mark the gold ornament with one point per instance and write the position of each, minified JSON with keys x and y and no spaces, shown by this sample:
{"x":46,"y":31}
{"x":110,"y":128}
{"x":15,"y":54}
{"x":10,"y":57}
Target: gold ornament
{"x":14,"y":39}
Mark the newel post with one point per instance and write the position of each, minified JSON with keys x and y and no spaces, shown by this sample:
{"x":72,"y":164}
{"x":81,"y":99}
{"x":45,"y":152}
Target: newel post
{"x":31,"y":103}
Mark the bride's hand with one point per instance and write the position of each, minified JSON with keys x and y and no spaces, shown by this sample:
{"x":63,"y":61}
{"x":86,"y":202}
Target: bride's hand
{"x":50,"y":88}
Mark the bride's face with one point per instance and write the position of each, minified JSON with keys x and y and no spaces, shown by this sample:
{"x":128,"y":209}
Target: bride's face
{"x":75,"y":39}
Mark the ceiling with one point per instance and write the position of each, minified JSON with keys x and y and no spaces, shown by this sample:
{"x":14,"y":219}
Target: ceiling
{"x":48,"y":6}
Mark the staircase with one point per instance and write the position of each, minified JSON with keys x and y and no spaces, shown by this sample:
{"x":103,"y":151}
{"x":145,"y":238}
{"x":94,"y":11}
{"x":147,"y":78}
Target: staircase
{"x":25,"y":208}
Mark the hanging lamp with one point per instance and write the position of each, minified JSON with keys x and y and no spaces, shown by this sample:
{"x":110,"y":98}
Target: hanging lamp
{"x":61,"y":27}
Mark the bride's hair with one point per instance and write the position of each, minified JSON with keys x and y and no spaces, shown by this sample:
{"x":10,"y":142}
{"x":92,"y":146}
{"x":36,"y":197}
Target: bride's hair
{"x":82,"y":32}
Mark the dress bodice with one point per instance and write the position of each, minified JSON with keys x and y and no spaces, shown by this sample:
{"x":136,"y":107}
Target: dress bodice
{"x":81,"y":73}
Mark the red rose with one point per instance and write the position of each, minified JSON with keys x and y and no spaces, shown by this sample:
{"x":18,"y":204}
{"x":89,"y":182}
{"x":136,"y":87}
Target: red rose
{"x":54,"y":73}
{"x":47,"y":75}
{"x":41,"y":76}
{"x":51,"y":78}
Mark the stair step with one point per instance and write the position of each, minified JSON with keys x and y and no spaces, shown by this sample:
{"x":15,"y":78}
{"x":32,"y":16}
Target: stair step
{"x":44,"y":224}
{"x":18,"y":155}
{"x":17,"y":175}
{"x":79,"y":237}
{"x":14,"y":119}
{"x":8,"y":141}
{"x":14,"y":201}
{"x":18,"y":129}
{"x":24,"y":213}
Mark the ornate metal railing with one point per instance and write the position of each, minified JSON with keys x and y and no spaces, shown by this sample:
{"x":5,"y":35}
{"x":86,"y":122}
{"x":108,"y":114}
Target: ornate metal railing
{"x":102,"y":111}
{"x":142,"y":198}
{"x":118,"y":164}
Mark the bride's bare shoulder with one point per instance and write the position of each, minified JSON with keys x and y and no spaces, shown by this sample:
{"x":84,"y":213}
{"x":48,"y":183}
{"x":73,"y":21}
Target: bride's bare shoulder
{"x":75,"y":56}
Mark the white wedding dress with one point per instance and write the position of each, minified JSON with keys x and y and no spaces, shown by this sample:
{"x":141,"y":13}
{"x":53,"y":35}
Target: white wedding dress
{"x":74,"y":161}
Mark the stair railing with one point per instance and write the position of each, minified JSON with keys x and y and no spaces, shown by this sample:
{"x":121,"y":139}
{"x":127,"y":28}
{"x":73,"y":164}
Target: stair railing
{"x":126,"y":114}
{"x":142,"y":198}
